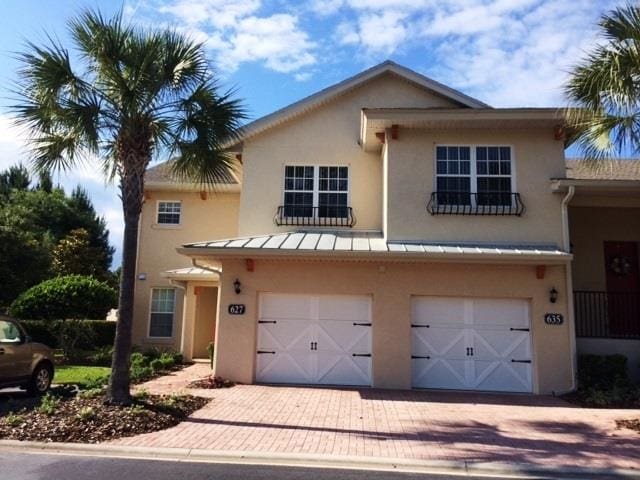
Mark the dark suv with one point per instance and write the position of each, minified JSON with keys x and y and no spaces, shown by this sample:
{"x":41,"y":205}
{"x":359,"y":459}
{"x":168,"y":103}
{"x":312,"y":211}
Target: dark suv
{"x":23,"y":363}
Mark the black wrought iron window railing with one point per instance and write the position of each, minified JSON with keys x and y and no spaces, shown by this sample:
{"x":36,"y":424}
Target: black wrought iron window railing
{"x":323,"y":216}
{"x":482,"y":203}
{"x":607,"y":314}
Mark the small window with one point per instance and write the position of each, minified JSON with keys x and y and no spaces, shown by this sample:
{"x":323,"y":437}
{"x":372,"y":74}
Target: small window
{"x":169,"y":213}
{"x":162,"y":312}
{"x":493,"y":170}
{"x":9,"y":332}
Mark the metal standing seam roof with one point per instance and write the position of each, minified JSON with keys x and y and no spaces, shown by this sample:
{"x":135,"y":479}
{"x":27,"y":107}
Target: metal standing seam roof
{"x":356,"y":242}
{"x":191,"y":272}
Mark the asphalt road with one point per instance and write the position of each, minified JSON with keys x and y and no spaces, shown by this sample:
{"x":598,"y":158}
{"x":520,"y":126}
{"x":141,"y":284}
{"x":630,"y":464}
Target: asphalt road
{"x":29,"y":466}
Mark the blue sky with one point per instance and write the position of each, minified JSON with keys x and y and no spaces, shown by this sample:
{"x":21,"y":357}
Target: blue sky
{"x":503,"y":52}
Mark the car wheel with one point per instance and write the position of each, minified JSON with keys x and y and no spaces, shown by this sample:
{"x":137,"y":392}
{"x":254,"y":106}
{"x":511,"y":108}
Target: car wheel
{"x":40,"y":380}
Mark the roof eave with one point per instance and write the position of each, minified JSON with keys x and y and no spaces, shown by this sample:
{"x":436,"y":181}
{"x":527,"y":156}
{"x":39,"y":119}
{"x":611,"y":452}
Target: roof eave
{"x":492,"y":258}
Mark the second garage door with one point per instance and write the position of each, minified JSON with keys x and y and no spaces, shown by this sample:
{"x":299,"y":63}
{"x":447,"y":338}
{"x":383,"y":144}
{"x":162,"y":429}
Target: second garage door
{"x":314,"y":339}
{"x":471,"y":344}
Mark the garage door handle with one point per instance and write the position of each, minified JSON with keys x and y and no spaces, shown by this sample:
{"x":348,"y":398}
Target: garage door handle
{"x":418,"y":356}
{"x":360,"y":354}
{"x":356,"y":324}
{"x":266,"y":351}
{"x":519,"y":329}
{"x":267,"y":321}
{"x":513,"y":360}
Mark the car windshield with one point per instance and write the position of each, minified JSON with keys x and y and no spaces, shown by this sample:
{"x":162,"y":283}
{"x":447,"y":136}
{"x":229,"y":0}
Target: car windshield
{"x":9,"y":332}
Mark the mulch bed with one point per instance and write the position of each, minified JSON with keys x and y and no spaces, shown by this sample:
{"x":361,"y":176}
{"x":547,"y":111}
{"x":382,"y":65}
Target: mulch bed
{"x":89,"y":420}
{"x":211,"y":382}
{"x":633,"y":424}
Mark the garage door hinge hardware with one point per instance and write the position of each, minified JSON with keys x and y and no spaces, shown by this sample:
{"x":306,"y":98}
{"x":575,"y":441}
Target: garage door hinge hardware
{"x":469,"y":351}
{"x":313,"y":346}
{"x":513,"y":360}
{"x":356,"y":324}
{"x":266,"y":351}
{"x":361,"y":354}
{"x":418,"y":356}
{"x":267,"y":321}
{"x":415,"y":325}
{"x":519,"y":329}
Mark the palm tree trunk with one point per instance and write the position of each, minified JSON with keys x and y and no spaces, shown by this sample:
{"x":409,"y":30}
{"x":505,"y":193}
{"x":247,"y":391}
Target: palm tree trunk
{"x":132,"y":194}
{"x":118,"y":392}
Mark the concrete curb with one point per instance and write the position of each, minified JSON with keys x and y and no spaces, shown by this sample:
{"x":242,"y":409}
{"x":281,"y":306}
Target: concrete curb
{"x":468,"y":468}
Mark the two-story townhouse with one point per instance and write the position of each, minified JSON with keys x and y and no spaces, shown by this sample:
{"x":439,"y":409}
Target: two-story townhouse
{"x":387,"y":231}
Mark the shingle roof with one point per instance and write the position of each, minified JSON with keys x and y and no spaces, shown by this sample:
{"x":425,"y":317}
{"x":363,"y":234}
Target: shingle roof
{"x":362,"y":242}
{"x":618,"y":169}
{"x":161,"y":173}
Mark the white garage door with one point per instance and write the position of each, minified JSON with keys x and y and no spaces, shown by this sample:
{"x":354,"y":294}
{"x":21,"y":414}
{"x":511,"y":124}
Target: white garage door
{"x":471,"y":344}
{"x":310,"y":339}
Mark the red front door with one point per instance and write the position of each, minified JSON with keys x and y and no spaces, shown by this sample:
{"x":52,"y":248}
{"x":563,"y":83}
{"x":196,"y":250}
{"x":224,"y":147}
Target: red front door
{"x":623,"y":287}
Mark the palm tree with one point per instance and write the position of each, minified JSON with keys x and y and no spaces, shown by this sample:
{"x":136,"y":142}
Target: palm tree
{"x":606,"y":88}
{"x":134,"y":95}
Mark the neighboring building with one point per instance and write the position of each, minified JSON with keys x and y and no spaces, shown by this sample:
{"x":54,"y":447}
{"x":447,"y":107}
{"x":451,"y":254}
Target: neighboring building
{"x":387,"y":231}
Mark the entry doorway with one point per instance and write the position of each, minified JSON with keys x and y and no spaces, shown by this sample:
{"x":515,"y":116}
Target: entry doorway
{"x":623,"y":287}
{"x":204,"y":329}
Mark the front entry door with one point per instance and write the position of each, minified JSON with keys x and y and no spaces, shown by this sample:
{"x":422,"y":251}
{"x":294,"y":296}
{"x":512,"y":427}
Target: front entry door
{"x":623,"y":287}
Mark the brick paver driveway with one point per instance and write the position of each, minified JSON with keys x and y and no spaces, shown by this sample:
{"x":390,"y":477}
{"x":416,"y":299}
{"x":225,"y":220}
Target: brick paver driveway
{"x":400,"y":424}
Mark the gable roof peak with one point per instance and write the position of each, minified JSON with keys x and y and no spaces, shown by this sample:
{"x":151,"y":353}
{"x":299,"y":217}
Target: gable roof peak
{"x":327,"y":94}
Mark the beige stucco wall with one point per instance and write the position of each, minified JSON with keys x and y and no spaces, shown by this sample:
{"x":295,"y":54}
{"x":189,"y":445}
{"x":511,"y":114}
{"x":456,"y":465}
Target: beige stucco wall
{"x":325,"y":136}
{"x":536,"y":157}
{"x":589,"y":228}
{"x":215,"y":217}
{"x":391,"y":291}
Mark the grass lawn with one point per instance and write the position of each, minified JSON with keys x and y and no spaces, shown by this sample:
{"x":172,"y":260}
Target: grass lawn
{"x":79,"y":375}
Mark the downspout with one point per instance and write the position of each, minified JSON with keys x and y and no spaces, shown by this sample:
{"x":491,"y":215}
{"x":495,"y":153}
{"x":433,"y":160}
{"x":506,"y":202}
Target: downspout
{"x":566,"y":244}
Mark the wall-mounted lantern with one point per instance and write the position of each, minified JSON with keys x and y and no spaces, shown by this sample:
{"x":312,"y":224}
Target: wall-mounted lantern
{"x":237,"y":286}
{"x":553,"y":295}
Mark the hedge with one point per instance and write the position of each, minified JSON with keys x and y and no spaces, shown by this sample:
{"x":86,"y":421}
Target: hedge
{"x":72,"y":296}
{"x":101,"y":332}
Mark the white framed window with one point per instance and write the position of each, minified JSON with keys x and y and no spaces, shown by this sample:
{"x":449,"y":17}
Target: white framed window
{"x":474,"y":175}
{"x":162,"y":312}
{"x":169,"y":212}
{"x":316,"y":191}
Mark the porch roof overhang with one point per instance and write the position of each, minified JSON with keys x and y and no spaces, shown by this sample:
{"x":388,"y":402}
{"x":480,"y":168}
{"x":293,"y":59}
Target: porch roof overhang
{"x":602,"y":187}
{"x":369,"y":247}
{"x":191,"y":273}
{"x":375,"y":121}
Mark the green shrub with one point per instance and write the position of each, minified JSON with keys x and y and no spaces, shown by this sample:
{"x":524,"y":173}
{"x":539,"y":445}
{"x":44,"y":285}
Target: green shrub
{"x":602,"y":372}
{"x":13,"y":419}
{"x":48,"y":404}
{"x":156,"y":365}
{"x":100,"y":357}
{"x":167,"y":361}
{"x":60,"y":298}
{"x":139,"y":374}
{"x":139,"y":360}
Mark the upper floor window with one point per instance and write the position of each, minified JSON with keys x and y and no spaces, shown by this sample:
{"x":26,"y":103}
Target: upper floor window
{"x":162,"y":312}
{"x":316,"y":192}
{"x":169,"y":212}
{"x":474,"y":180}
{"x":478,"y":175}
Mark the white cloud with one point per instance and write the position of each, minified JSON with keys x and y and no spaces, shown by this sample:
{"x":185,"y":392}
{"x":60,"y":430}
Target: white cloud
{"x":236,"y":33}
{"x":382,"y":32}
{"x":506,"y":52}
